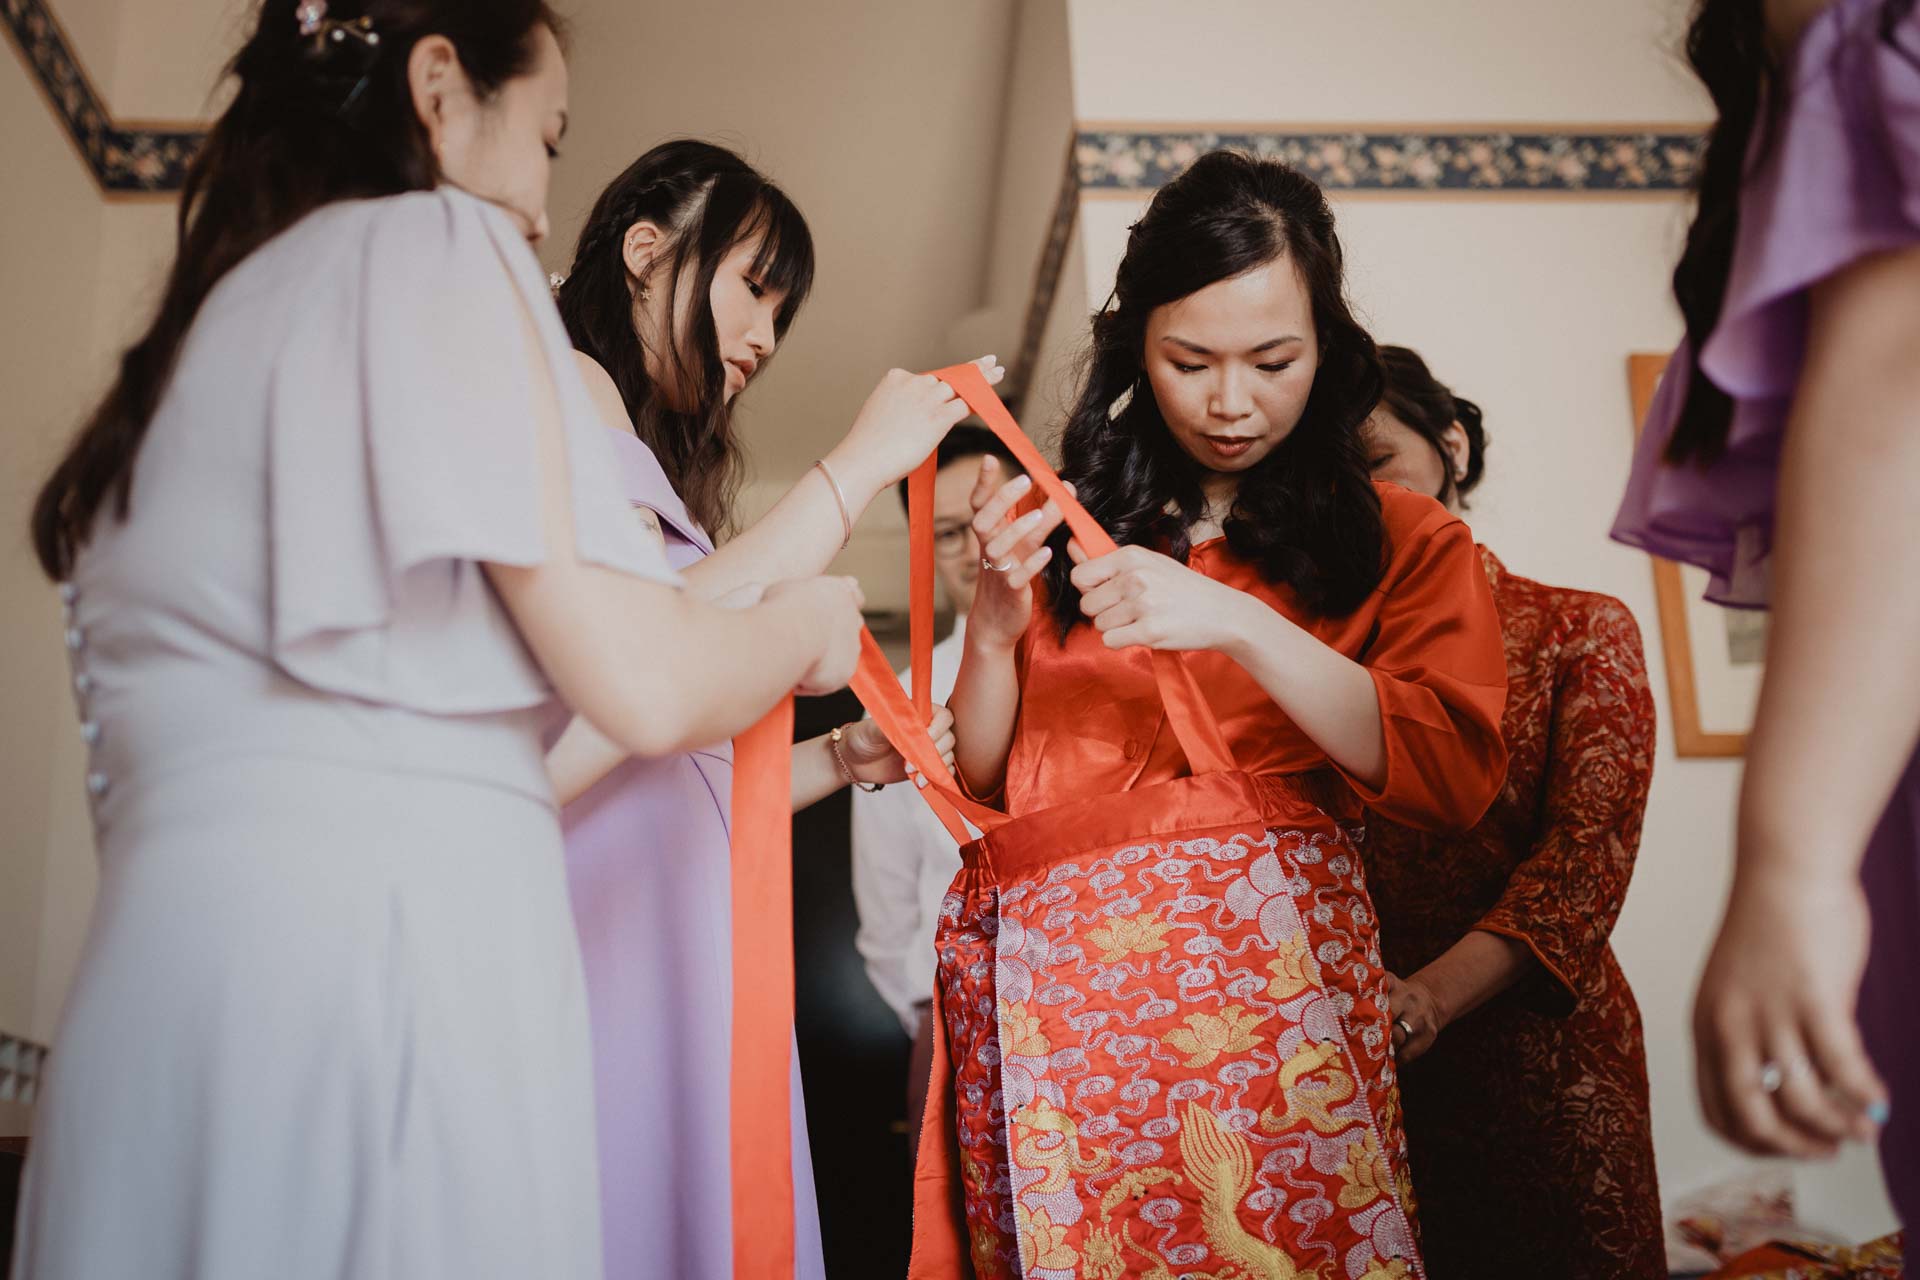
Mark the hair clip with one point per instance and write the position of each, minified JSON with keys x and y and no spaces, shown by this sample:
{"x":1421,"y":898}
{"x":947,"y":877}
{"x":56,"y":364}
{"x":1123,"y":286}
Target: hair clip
{"x":554,"y":280}
{"x":314,"y":22}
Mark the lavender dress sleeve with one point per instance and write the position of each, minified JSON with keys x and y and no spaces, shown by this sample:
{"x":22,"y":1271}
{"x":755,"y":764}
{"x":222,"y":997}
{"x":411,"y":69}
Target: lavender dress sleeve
{"x":1841,"y":182}
{"x":401,"y":455}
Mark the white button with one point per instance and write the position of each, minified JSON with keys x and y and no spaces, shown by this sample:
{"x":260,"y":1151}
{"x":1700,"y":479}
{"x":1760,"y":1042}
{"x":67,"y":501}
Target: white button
{"x":69,"y":593}
{"x":76,"y":639}
{"x":97,"y":785}
{"x":90,"y":732}
{"x":82,"y":683}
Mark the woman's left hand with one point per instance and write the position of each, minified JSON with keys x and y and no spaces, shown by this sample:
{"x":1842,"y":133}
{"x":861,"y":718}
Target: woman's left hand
{"x":871,"y":758}
{"x":1410,"y":1004}
{"x":1781,"y":1067}
{"x":1139,"y":597}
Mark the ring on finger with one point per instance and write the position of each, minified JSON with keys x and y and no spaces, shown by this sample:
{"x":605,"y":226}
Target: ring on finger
{"x":1405,"y":1026}
{"x":997,"y":568}
{"x":1777,"y":1074}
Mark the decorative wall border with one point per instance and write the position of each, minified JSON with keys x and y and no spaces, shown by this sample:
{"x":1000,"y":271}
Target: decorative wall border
{"x":130,"y":158}
{"x":1505,"y":160}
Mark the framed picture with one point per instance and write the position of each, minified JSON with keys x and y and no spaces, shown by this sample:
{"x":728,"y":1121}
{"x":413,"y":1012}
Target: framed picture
{"x":1715,"y":656}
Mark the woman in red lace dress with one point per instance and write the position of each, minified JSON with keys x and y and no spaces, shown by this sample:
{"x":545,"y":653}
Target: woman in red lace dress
{"x":1523,"y":1072}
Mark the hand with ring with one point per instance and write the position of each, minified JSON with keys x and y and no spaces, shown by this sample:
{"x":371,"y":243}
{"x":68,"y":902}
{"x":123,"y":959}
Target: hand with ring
{"x":1416,"y":1017}
{"x":1013,"y":551}
{"x":1781,"y":1067}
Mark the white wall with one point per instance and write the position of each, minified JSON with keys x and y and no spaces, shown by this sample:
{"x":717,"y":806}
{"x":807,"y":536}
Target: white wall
{"x":1378,"y":61}
{"x":1527,"y":304}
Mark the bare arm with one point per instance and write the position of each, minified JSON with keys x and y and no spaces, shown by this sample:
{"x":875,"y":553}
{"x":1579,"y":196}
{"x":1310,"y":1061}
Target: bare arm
{"x":900,"y":425}
{"x":711,"y":673}
{"x":1838,"y":717}
{"x":1840,"y":707}
{"x":986,"y":703}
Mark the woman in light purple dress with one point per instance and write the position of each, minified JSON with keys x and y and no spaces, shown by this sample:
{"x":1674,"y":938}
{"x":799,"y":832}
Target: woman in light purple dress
{"x":1782,"y":454}
{"x":336,"y":535}
{"x":687,"y":274}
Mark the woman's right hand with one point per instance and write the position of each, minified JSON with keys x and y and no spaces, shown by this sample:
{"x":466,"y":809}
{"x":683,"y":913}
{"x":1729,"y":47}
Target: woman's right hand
{"x":902,"y":423}
{"x":832,"y":606}
{"x":1013,"y":550}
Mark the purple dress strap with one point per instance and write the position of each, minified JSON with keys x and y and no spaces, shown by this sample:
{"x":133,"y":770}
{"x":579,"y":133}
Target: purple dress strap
{"x":1840,"y":182}
{"x":647,"y":867}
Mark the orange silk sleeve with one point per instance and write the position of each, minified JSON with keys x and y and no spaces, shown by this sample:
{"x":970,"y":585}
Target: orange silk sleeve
{"x":1439,"y":667}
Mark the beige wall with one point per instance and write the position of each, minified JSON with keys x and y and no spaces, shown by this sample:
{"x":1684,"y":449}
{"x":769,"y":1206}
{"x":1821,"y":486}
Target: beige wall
{"x":48,"y":368}
{"x":1528,"y":305}
{"x":83,"y":272}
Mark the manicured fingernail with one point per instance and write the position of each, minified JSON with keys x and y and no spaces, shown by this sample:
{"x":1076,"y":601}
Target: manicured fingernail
{"x":1021,"y":484}
{"x":1880,"y":1113}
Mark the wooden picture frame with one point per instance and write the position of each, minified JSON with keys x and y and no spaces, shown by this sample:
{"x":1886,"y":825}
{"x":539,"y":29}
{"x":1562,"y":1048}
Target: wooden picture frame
{"x":1691,"y":737}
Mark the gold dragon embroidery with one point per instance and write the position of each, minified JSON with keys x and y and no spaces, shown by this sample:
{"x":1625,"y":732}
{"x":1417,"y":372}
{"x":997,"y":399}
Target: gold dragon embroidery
{"x":1220,"y":1162}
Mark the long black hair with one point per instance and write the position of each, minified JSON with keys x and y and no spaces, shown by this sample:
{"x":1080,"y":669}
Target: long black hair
{"x":707,"y":201}
{"x":1308,"y":513}
{"x":1428,"y":407}
{"x":1727,"y":46}
{"x":312,"y":122}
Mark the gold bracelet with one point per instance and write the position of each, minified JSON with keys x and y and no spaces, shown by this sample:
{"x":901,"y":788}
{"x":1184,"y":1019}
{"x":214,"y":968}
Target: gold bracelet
{"x":833,"y":741}
{"x":846,"y":518}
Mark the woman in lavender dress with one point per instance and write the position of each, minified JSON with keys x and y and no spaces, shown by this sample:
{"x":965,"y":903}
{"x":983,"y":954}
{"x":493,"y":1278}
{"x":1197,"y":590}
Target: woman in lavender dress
{"x":330,"y":544}
{"x":687,"y":274}
{"x":1782,"y":454}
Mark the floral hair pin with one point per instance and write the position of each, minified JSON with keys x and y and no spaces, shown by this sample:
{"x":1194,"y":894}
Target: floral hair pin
{"x":315,"y":24}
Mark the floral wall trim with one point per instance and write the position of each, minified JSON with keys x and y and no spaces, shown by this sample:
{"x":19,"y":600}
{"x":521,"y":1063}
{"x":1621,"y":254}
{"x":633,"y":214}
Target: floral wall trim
{"x":124,"y":159}
{"x":1491,"y":160}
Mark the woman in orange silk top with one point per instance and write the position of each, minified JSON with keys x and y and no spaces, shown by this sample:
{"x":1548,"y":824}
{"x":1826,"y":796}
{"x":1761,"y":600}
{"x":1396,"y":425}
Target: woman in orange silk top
{"x":1173,"y":1051}
{"x":1528,"y":1121}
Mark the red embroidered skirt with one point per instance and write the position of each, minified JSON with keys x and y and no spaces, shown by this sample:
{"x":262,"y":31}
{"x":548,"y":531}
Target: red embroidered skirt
{"x":1164,"y":1054}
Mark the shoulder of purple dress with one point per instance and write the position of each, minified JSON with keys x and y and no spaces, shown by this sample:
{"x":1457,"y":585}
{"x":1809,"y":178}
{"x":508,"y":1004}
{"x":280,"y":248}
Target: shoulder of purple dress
{"x":645,"y":483}
{"x":1835,"y":181}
